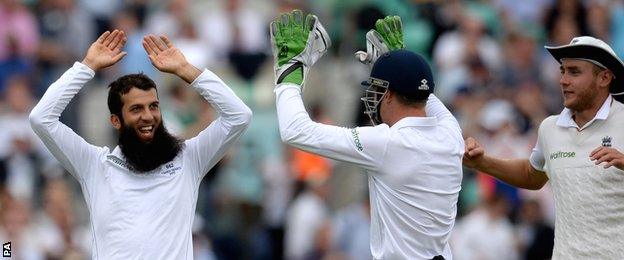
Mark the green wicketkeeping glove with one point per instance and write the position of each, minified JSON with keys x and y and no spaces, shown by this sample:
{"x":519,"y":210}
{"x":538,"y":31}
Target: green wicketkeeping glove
{"x":387,"y":36}
{"x":297,"y":45}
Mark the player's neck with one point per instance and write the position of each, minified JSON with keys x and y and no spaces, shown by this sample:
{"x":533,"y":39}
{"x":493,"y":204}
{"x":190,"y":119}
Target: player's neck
{"x":581,"y":117}
{"x":399,"y":114}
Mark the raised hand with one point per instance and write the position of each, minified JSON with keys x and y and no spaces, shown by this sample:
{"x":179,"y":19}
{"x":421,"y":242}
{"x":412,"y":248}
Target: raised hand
{"x":163,"y":55}
{"x":167,"y":58}
{"x":391,"y":30}
{"x":473,"y":153}
{"x":610,"y":156}
{"x":387,"y":36}
{"x":106,"y":50}
{"x":298,"y":43}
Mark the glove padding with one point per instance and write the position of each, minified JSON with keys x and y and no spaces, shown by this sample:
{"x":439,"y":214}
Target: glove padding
{"x":387,"y":36}
{"x":297,"y":45}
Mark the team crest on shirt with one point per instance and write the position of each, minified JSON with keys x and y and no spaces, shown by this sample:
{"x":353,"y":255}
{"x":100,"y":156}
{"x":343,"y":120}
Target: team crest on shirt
{"x":169,"y":168}
{"x":606,"y":141}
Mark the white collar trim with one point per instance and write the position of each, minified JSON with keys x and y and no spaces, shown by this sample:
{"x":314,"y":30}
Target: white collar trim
{"x":565,"y":118}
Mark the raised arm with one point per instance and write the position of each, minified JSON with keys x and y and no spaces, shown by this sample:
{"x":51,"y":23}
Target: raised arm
{"x":74,"y":153}
{"x":297,"y":44}
{"x":363,"y":146}
{"x":516,"y":172}
{"x":209,"y":146}
{"x":435,"y":108}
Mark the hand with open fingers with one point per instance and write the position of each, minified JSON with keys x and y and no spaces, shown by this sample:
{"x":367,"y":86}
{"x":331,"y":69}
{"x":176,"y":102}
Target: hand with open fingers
{"x":106,"y":50}
{"x":163,"y":55}
{"x":297,"y":44}
{"x":391,"y":30}
{"x":608,"y":155}
{"x":387,"y":36}
{"x":473,"y":153}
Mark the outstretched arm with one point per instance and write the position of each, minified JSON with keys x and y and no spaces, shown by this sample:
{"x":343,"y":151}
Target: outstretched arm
{"x":74,"y":153}
{"x":516,"y":172}
{"x":167,"y":58}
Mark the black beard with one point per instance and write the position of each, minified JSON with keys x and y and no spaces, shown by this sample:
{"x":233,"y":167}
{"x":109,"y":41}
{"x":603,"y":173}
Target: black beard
{"x":144,"y":157}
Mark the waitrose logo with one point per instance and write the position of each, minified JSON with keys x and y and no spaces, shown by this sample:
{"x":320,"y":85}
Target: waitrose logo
{"x":560,"y":154}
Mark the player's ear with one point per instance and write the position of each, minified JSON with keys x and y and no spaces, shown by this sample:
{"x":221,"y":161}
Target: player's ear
{"x":115,"y":121}
{"x":606,"y":78}
{"x":389,"y":96}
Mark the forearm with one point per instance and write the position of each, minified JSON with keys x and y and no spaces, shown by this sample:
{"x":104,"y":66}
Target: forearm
{"x":299,"y":130}
{"x":188,"y":73}
{"x":349,"y":145}
{"x":435,"y":108}
{"x":292,"y":117}
{"x":209,"y":146}
{"x":59,"y":94}
{"x":516,"y":172}
{"x":228,"y":106}
{"x":69,"y":148}
{"x":89,"y":63}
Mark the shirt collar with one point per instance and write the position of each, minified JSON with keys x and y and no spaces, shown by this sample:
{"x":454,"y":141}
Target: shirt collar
{"x":117,"y":153}
{"x":415,"y":121}
{"x":565,"y":118}
{"x":117,"y":158}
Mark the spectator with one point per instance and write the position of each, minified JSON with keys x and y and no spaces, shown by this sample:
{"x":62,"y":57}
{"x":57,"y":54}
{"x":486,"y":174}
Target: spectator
{"x":15,"y":226}
{"x":307,"y":215}
{"x":25,"y":156}
{"x":453,"y":49}
{"x":536,"y":237}
{"x":486,"y":233}
{"x":59,"y":234}
{"x":19,"y":37}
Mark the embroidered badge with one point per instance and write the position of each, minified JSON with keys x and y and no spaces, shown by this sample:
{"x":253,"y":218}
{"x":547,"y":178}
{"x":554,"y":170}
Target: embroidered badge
{"x":606,"y":141}
{"x":423,"y":85}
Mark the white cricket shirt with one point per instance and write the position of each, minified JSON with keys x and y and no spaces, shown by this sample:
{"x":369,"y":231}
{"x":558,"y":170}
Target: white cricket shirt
{"x":589,"y":213}
{"x":147,"y":215}
{"x":414,"y":172}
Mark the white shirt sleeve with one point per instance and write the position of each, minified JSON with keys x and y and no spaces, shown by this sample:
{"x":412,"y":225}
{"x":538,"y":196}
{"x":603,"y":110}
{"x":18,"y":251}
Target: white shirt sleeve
{"x":72,"y":151}
{"x":209,"y":146}
{"x":435,"y":108}
{"x":364,"y":146}
{"x":537,"y":158}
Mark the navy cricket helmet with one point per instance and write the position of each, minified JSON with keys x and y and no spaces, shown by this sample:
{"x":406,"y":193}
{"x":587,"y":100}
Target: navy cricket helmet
{"x":402,"y":71}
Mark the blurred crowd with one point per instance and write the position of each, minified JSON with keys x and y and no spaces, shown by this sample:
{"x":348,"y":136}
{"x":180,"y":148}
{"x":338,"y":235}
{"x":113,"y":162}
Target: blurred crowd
{"x":265,"y":200}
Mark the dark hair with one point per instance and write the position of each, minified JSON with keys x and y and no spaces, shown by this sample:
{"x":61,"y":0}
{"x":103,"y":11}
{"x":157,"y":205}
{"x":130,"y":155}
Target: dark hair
{"x":122,"y":86}
{"x":410,"y":101}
